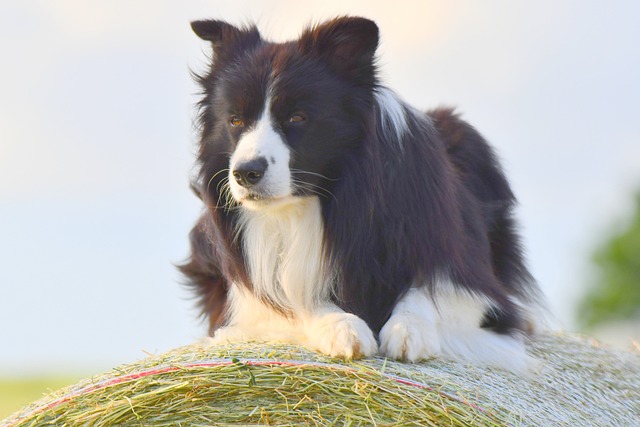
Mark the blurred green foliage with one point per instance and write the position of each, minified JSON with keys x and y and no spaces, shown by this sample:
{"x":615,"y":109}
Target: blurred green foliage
{"x":615,"y":292}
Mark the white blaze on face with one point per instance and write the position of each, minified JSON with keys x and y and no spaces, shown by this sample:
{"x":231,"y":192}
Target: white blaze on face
{"x":262,"y":142}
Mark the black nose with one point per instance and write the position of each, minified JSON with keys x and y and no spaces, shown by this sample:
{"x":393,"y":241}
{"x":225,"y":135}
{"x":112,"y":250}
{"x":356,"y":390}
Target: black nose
{"x":248,"y":174}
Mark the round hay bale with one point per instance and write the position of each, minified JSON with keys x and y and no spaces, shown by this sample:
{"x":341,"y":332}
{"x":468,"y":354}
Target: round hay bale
{"x":580,"y":383}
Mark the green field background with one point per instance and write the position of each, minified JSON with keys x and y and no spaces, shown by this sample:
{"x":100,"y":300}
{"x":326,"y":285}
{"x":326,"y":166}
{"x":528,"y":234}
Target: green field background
{"x":16,"y":393}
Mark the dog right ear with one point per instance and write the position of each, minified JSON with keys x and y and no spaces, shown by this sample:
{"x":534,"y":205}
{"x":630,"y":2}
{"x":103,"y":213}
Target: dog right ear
{"x":348,"y":44}
{"x":227,"y":41}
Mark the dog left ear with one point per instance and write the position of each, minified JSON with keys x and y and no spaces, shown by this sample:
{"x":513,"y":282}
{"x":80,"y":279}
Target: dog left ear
{"x":227,"y":40}
{"x":348,"y":44}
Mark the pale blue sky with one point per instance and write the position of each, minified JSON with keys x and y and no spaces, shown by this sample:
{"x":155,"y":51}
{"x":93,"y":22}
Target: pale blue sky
{"x":96,"y":148}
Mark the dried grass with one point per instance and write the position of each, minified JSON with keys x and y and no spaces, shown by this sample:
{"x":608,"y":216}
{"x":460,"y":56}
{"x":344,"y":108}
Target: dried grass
{"x":581,"y":383}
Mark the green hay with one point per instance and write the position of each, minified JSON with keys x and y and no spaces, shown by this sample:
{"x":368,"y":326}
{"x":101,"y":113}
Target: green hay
{"x":580,"y":383}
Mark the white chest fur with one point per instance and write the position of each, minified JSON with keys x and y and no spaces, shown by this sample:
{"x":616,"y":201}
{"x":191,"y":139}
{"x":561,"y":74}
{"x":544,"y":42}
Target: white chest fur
{"x":284,"y":252}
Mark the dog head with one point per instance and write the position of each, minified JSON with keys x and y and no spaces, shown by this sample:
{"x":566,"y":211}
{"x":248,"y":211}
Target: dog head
{"x":278,"y":119}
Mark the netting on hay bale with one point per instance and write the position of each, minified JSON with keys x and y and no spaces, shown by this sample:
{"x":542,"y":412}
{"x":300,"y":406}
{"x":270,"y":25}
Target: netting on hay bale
{"x":580,"y":384}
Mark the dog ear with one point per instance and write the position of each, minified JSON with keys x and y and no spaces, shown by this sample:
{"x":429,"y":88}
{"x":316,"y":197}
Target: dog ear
{"x":227,"y":41}
{"x":348,"y":44}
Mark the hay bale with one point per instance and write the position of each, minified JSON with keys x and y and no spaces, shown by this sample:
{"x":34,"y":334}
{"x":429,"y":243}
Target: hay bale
{"x":580,"y":384}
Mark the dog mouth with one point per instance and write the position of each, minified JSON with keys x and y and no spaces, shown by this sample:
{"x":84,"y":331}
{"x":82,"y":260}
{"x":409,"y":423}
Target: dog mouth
{"x":254,"y":197}
{"x":255,"y":200}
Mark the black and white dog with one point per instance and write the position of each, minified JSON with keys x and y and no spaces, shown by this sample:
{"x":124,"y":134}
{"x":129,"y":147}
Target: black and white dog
{"x":340,"y":218}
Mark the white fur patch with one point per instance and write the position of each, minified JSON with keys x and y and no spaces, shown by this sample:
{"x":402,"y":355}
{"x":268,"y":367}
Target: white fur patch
{"x":251,"y":320}
{"x":326,"y":328}
{"x":393,"y":114}
{"x":420,"y":328}
{"x":284,"y":254}
{"x":262,"y":141}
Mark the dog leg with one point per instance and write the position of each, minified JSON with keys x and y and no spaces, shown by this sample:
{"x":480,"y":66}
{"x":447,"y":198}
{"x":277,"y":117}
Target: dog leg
{"x":419,"y":329}
{"x":248,"y":319}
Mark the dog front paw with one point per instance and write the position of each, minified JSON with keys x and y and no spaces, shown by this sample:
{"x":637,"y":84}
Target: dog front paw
{"x":342,"y":335}
{"x":409,"y":338}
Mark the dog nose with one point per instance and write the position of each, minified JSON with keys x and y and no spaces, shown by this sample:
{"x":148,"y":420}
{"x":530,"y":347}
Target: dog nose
{"x":248,"y":174}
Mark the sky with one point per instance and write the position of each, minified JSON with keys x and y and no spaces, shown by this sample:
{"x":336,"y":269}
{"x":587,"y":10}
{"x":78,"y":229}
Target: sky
{"x":97,"y":147}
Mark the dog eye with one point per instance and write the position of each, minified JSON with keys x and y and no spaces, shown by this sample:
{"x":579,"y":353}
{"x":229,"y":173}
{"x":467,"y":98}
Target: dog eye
{"x":236,"y":122}
{"x":297,"y":118}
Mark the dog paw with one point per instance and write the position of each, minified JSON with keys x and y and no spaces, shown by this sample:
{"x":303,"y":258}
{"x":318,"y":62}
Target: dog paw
{"x":409,"y":338}
{"x":342,"y":335}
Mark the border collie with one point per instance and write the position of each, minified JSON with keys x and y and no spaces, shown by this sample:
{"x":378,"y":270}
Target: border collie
{"x":340,"y":218}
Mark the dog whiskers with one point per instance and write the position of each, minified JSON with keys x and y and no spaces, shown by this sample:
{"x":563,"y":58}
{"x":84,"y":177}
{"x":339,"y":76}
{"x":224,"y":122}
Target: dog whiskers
{"x":213,"y":177}
{"x":312,"y":188}
{"x":314,"y":174}
{"x":224,"y":199}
